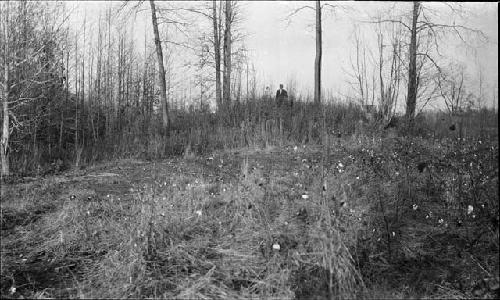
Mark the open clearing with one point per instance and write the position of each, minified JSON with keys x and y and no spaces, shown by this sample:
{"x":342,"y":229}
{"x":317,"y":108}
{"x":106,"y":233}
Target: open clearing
{"x":257,"y":223}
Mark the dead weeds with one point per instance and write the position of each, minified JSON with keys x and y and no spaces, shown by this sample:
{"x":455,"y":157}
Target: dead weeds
{"x":249,"y":224}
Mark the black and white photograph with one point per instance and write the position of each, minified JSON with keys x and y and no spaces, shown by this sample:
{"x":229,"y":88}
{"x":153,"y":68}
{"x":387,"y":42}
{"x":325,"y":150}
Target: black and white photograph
{"x":249,"y":150}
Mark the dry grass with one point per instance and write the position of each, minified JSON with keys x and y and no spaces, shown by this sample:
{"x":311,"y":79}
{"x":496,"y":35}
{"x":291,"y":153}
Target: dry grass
{"x":260,"y":222}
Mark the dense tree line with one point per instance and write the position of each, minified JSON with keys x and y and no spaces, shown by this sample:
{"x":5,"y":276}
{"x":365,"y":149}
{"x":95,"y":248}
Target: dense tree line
{"x":69,"y":94}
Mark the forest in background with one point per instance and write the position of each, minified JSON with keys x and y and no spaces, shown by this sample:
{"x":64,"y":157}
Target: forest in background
{"x":71,"y":98}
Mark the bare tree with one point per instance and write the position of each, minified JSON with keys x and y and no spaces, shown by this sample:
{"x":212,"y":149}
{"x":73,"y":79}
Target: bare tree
{"x":31,"y":77}
{"x":411,"y":98}
{"x":359,"y":74}
{"x":228,"y":21}
{"x":452,"y":88}
{"x":317,"y":60}
{"x":224,"y":18}
{"x":4,"y":144}
{"x":390,"y":83}
{"x":161,"y":72}
{"x":426,"y":35}
{"x":216,"y":44}
{"x":318,"y":40}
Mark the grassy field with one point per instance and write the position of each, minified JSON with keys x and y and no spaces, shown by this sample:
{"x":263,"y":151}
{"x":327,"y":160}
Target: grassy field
{"x":367,"y":218}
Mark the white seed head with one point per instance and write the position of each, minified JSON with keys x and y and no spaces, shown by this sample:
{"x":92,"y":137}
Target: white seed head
{"x":470,"y":209}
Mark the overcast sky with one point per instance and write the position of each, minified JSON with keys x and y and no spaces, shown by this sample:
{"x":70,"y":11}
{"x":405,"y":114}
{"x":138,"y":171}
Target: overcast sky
{"x":284,"y":48}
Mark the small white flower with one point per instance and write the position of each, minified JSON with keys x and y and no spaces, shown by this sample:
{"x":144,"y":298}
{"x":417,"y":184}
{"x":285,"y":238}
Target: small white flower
{"x":415,"y":207}
{"x":295,"y":148}
{"x":12,"y":290}
{"x":341,"y":165}
{"x":427,"y":216}
{"x":276,"y":247}
{"x":440,"y":221}
{"x":357,"y":177}
{"x":305,"y":196}
{"x":198,"y":212}
{"x":470,"y":209}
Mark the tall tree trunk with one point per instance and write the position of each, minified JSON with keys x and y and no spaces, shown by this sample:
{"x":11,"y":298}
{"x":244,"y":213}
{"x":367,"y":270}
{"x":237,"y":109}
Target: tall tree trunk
{"x":317,"y":61}
{"x":383,"y":99}
{"x":216,"y":20}
{"x":238,"y":94}
{"x":4,"y":144}
{"x":159,"y":53}
{"x":411,"y":100}
{"x":99,"y":74}
{"x":119,"y":93}
{"x":65,"y":76}
{"x":247,"y":79}
{"x":77,"y":93}
{"x":109,"y":89}
{"x":82,"y":103}
{"x":227,"y":54}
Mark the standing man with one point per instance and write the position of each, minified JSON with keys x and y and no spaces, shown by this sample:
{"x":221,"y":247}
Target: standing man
{"x":281,"y":96}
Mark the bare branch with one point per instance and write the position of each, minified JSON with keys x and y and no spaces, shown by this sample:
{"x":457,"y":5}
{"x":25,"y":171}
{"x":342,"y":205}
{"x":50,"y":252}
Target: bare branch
{"x":288,"y":18}
{"x":432,"y":60}
{"x":387,"y":21}
{"x":454,"y":27}
{"x":299,"y":9}
{"x":179,"y":44}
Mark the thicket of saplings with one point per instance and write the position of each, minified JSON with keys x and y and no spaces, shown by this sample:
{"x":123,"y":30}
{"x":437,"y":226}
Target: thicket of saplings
{"x":428,"y":197}
{"x":60,"y":134}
